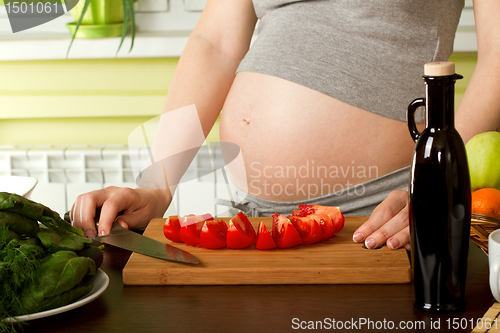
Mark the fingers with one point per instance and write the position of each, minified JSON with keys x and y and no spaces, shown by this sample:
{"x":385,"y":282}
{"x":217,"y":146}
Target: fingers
{"x":83,"y":211}
{"x":400,"y":239}
{"x":144,"y":205}
{"x":117,"y":202}
{"x":388,"y":223}
{"x":138,"y":207}
{"x":388,"y":232}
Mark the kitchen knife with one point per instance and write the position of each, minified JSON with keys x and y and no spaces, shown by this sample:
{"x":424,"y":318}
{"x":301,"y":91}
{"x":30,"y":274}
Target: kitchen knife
{"x":132,"y":241}
{"x":129,"y":240}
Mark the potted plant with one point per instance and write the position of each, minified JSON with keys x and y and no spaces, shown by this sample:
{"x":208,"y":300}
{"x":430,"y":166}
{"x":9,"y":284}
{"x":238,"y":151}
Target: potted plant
{"x":101,"y":19}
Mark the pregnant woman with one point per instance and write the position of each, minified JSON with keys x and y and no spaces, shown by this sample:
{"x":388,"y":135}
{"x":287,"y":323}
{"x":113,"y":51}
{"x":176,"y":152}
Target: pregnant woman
{"x":317,"y":104}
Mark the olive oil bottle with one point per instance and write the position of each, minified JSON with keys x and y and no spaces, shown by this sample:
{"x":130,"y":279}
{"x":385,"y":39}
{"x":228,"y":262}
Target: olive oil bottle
{"x":439,"y":197}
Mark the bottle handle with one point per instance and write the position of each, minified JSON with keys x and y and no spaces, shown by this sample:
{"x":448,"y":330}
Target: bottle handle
{"x":412,"y":108}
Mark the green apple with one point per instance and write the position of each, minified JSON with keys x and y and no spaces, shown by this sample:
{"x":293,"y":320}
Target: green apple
{"x":483,"y":155}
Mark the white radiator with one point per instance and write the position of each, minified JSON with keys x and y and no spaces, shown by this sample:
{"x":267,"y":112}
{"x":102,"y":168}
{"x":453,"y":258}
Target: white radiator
{"x":64,"y":172}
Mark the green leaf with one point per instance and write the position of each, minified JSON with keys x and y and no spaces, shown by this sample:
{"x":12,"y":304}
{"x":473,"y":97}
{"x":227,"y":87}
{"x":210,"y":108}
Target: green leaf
{"x":51,"y":218}
{"x":54,"y":241}
{"x":13,"y":203}
{"x":132,"y":22}
{"x":85,"y":6}
{"x":125,"y":23}
{"x":63,"y":299}
{"x":19,"y":223}
{"x":58,"y":273}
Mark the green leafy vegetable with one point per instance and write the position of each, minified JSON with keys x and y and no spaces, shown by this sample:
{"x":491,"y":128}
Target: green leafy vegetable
{"x":16,"y":203}
{"x":19,"y":223}
{"x":16,"y":242}
{"x":18,"y":265}
{"x":38,"y":268}
{"x":55,"y":241}
{"x":59,"y":300}
{"x":13,"y":203}
{"x":93,"y":252}
{"x":10,"y":235}
{"x":58,"y":273}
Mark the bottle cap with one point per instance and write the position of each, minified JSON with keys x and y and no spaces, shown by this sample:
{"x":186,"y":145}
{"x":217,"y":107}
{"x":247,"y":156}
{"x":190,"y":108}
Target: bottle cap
{"x":440,"y":68}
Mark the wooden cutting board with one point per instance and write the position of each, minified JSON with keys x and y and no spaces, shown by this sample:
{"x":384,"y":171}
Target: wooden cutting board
{"x":336,"y":261}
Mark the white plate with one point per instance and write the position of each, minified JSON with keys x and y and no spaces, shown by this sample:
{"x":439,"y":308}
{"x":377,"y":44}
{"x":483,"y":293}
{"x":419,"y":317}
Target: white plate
{"x":99,"y":283}
{"x":22,"y":186}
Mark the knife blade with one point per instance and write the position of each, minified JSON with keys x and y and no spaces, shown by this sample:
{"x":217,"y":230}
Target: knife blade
{"x":132,"y":241}
{"x":129,"y":240}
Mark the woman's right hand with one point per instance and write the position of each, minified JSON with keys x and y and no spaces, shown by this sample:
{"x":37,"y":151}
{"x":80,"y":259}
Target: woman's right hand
{"x":137,"y":207}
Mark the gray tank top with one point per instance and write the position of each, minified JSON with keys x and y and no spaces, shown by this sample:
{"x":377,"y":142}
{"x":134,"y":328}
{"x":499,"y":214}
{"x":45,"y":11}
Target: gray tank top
{"x":370,"y":54}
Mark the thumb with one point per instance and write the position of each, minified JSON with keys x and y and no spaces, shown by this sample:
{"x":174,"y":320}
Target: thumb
{"x":121,"y":222}
{"x":133,"y":220}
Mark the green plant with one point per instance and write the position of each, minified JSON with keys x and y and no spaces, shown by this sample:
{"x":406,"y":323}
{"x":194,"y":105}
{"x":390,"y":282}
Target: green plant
{"x":128,"y":20}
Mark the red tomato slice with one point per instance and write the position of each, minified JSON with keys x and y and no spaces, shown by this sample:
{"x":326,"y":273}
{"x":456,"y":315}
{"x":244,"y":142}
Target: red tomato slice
{"x":242,"y":223}
{"x":309,"y":229}
{"x":240,"y":233}
{"x":191,"y":226}
{"x":327,"y":226}
{"x":191,"y":218}
{"x":330,"y":218}
{"x":213,"y":234}
{"x":318,"y":209}
{"x":303,"y":210}
{"x":337,"y":219}
{"x":190,"y":234}
{"x":264,"y":239}
{"x":284,"y":233}
{"x":172,"y":228}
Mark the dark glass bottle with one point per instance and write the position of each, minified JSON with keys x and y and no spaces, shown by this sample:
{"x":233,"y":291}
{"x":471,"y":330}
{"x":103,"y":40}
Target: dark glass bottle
{"x":439,"y":197}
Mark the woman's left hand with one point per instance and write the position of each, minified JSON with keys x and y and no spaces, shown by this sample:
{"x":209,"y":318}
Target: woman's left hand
{"x":389,"y":223}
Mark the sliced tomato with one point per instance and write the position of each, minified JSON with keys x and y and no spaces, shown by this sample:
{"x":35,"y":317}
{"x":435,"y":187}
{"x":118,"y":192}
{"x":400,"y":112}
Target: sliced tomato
{"x":309,"y":229}
{"x":327,"y":226}
{"x":191,"y":226}
{"x":284,"y":233}
{"x":330,"y":218}
{"x":242,"y":223}
{"x":191,"y":219}
{"x":240,"y":233}
{"x":318,"y":209}
{"x":190,"y":234}
{"x":303,"y":211}
{"x":213,"y":234}
{"x":172,"y":228}
{"x":264,"y":239}
{"x":337,"y":218}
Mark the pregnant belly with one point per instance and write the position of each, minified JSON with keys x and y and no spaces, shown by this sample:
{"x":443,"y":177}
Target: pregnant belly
{"x":297,"y":143}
